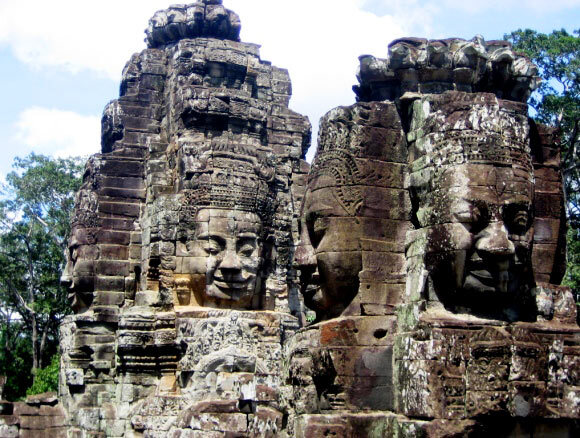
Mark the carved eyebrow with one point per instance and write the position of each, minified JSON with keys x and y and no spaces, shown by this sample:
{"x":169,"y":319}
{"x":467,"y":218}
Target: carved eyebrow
{"x":207,"y":236}
{"x":247,"y":235}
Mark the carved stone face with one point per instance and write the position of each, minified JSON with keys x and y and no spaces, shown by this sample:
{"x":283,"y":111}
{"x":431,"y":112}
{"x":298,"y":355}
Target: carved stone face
{"x":328,"y":255}
{"x":79,"y":272}
{"x":479,"y":235}
{"x":231,"y":240}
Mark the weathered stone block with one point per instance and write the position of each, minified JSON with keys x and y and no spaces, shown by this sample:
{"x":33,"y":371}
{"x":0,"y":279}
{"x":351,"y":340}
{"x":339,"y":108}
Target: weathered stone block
{"x":39,"y":422}
{"x":219,"y":422}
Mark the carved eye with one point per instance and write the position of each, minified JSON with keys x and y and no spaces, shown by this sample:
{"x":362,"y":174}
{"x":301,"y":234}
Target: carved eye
{"x":213,"y":246}
{"x":317,"y":232}
{"x":472,"y":216}
{"x":73,"y":252}
{"x":246,"y":247}
{"x":464,"y":216}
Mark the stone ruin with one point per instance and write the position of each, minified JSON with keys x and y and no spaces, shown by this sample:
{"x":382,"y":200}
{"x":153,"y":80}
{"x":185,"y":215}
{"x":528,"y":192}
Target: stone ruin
{"x":427,"y":237}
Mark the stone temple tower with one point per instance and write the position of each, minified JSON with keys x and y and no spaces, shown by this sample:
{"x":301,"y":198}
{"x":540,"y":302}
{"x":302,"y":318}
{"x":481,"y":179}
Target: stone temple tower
{"x":183,"y":235}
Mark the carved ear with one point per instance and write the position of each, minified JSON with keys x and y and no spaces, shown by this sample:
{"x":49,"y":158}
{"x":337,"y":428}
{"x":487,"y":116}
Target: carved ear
{"x":269,"y":253}
{"x":267,"y":267}
{"x":259,"y":301}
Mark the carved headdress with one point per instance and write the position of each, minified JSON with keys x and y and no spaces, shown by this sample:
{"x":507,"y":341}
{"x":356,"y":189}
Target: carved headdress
{"x":463,"y":128}
{"x":228,"y":176}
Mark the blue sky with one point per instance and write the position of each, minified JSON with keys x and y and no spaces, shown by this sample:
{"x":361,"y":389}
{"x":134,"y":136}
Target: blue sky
{"x":61,"y":61}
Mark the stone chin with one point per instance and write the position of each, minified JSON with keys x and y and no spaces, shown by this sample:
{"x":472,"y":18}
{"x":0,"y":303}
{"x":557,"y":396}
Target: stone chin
{"x":80,"y":301}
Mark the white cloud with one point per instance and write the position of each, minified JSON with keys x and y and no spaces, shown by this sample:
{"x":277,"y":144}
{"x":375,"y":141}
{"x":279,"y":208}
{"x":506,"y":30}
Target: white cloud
{"x":100,"y":36}
{"x":58,"y":133}
{"x":77,"y":35}
{"x":320,"y":42}
{"x":317,"y":40}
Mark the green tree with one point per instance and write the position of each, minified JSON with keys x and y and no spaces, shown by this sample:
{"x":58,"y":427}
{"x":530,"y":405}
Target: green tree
{"x":46,"y":379}
{"x":35,"y":210}
{"x":557,"y":103}
{"x":15,"y":356}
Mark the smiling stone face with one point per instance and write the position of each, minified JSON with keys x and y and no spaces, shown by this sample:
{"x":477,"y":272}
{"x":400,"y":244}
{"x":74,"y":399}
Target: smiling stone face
{"x":79,"y":273}
{"x":473,"y":185}
{"x":355,"y":214}
{"x":231,"y":241}
{"x":498,"y":222}
{"x":479,"y":239}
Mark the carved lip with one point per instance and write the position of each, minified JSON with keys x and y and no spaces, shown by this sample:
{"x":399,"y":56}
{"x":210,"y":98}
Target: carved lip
{"x":482,"y":275}
{"x":227,"y":285}
{"x":486,"y":278}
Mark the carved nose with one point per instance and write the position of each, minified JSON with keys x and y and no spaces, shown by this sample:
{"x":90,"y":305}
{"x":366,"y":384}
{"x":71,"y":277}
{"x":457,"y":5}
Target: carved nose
{"x":231,"y":262}
{"x":66,"y":279}
{"x":304,"y":257}
{"x":495,"y":240}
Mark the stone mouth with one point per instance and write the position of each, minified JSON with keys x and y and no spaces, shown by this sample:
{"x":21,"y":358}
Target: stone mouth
{"x":311,"y":284}
{"x":231,"y":284}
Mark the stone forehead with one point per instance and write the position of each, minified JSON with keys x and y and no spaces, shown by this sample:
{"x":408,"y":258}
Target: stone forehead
{"x":208,"y":214}
{"x":457,"y":129}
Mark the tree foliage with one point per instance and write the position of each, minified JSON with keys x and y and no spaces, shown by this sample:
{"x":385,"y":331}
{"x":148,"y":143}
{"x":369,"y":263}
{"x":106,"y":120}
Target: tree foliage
{"x":557,"y":103}
{"x":15,"y":359}
{"x":46,"y":379}
{"x":35,"y":210}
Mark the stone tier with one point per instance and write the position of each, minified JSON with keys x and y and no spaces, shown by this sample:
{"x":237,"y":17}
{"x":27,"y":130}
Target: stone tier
{"x":433,"y":66}
{"x":206,"y":18}
{"x":458,"y":368}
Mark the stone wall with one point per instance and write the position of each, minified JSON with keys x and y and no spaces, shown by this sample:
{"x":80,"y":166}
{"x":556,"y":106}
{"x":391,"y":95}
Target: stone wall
{"x":39,"y":416}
